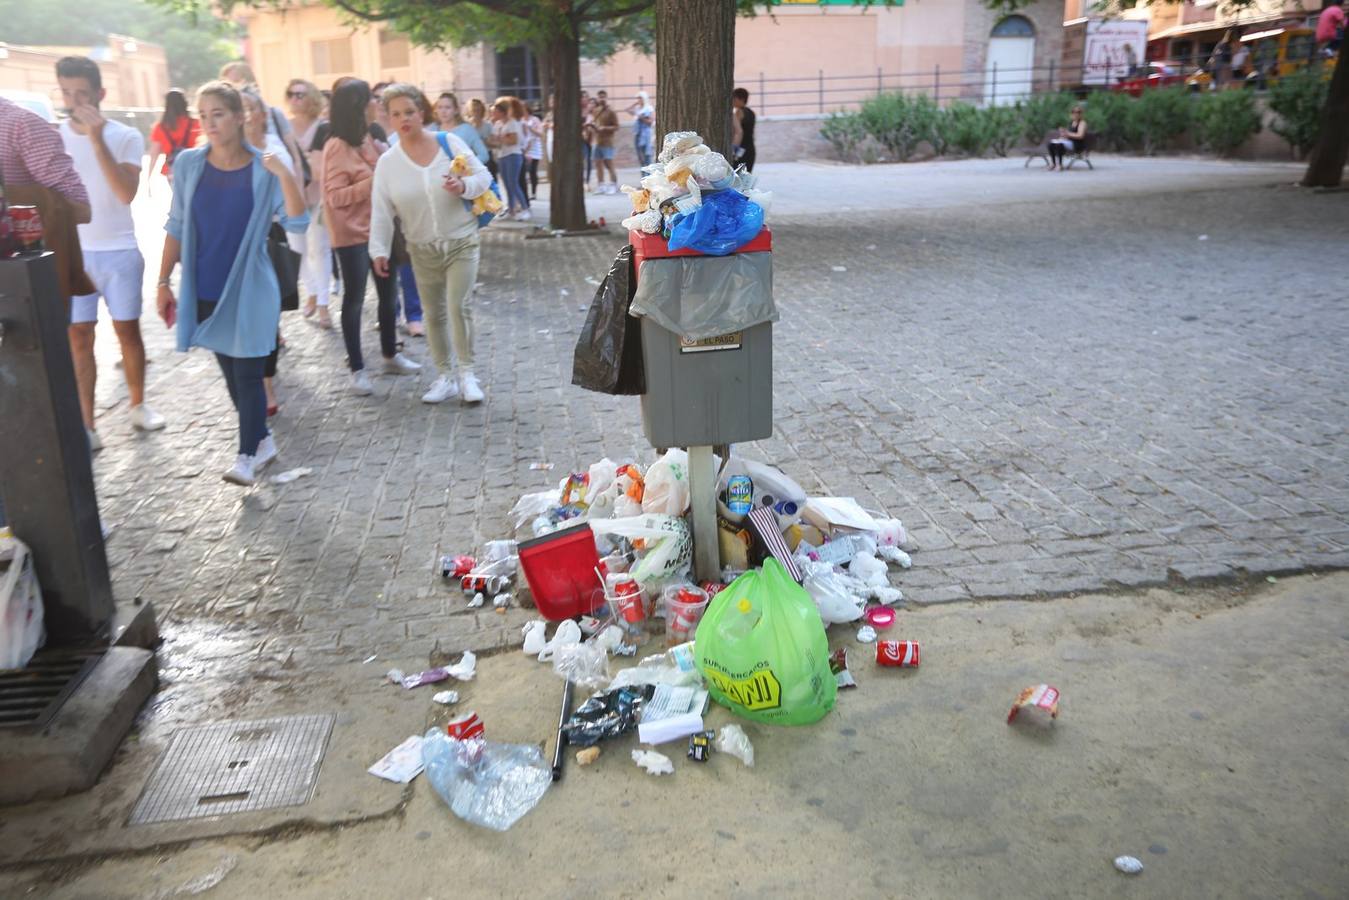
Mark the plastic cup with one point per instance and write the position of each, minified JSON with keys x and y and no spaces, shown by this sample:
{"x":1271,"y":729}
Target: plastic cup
{"x":684,"y":608}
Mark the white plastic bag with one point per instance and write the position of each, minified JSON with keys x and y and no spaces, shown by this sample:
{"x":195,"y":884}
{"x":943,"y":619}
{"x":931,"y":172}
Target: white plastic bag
{"x":831,"y":592}
{"x":667,"y":485}
{"x":668,"y":545}
{"x":21,"y":631}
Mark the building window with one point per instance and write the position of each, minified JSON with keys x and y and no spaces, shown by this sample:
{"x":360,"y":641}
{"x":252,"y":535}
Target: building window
{"x":517,"y":73}
{"x":1014,"y":27}
{"x":395,"y":50}
{"x":332,"y":57}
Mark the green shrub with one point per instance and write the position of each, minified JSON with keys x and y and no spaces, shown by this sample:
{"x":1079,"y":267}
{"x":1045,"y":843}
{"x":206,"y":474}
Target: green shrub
{"x":1298,"y":100}
{"x":900,"y":122}
{"x":1110,"y":118}
{"x":845,"y":132}
{"x":964,"y":127}
{"x":1003,"y":127}
{"x":1041,"y":113}
{"x":1160,"y":116}
{"x":1226,"y":119}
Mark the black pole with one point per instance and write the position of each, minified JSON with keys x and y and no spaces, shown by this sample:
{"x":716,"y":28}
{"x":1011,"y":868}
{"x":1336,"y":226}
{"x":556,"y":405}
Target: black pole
{"x":561,"y":741}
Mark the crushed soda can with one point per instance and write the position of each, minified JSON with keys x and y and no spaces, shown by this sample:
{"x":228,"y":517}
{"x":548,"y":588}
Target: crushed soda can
{"x":465,"y":727}
{"x":713,"y":588}
{"x":838,"y":664}
{"x":1041,"y":700}
{"x":700,"y":745}
{"x":456,"y":566}
{"x":897,"y":654}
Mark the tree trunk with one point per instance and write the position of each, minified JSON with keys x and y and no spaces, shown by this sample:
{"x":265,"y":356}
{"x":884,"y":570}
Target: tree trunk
{"x":695,"y":69}
{"x":1325,"y":164}
{"x":566,"y":192}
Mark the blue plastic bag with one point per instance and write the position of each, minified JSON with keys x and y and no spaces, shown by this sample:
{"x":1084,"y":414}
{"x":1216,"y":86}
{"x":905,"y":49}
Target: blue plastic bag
{"x":726,"y":221}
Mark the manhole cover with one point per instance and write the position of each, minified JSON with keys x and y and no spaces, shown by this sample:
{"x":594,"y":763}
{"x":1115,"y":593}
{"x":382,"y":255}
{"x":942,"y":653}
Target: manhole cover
{"x":231,"y":767}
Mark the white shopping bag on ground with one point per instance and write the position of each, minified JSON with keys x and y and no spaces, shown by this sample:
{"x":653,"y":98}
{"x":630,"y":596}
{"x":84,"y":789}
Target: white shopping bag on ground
{"x":21,"y":632}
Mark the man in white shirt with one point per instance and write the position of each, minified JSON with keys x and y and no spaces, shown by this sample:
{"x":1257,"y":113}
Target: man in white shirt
{"x":107,"y":156}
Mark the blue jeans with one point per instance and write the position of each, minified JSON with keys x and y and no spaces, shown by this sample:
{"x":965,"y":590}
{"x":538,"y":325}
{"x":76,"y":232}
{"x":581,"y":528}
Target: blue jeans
{"x":412,"y":299}
{"x":243,"y":379}
{"x":511,"y":165}
{"x":586,"y":152}
{"x":642,"y":143}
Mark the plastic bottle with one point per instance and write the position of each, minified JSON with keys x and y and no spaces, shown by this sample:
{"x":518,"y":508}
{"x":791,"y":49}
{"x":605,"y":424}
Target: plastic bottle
{"x":680,"y":656}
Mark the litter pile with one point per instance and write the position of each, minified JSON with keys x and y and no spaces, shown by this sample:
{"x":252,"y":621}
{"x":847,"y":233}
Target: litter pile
{"x":693,"y":198}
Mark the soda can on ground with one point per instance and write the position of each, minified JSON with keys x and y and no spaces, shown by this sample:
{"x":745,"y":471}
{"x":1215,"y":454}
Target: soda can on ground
{"x":899,"y":654}
{"x":465,"y":727}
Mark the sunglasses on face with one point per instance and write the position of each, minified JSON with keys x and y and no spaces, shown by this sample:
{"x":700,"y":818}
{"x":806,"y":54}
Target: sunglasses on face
{"x":297,"y":95}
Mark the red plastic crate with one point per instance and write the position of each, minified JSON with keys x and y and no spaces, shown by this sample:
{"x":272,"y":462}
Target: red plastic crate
{"x":560,"y":568}
{"x":653,"y":246}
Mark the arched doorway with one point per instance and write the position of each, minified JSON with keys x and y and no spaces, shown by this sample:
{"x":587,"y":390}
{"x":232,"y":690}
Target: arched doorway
{"x":1011,"y":57}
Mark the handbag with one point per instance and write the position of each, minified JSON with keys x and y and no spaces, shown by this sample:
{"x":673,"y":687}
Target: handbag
{"x":286,"y":264}
{"x":484,"y":219}
{"x":304,"y":159}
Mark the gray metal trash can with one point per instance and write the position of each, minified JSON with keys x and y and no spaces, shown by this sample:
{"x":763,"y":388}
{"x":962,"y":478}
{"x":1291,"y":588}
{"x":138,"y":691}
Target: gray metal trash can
{"x":707,"y":347}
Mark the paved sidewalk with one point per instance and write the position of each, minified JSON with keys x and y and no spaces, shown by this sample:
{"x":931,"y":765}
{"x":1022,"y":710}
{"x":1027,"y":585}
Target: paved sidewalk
{"x":1054,"y":396}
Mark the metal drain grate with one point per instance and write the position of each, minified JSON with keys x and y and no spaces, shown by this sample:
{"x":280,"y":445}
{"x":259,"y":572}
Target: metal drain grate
{"x":231,"y":767}
{"x":31,"y":696}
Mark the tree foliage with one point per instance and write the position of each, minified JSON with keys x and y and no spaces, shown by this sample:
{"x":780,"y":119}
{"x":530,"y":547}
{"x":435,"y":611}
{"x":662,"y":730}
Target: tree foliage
{"x":196,"y":47}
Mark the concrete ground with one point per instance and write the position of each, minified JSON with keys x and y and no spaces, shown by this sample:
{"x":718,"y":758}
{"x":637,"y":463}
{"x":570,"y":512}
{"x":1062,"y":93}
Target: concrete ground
{"x":1205,"y":732}
{"x":1121,"y":380}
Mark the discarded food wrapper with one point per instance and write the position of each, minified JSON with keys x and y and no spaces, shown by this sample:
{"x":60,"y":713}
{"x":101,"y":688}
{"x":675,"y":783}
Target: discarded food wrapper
{"x":1129,"y":865}
{"x":430,"y":676}
{"x":290,"y":475}
{"x":464,"y":669}
{"x":484,"y":782}
{"x":838,"y":664}
{"x":897,"y":654}
{"x":607,"y":715}
{"x":446,"y":698}
{"x":1041,"y":700}
{"x":587,"y":756}
{"x":700,"y":745}
{"x":544,"y":467}
{"x":866,"y":634}
{"x":465,"y":727}
{"x":654,"y":763}
{"x":401,"y":764}
{"x":733,"y":740}
{"x":456,"y":566}
{"x":535,"y":637}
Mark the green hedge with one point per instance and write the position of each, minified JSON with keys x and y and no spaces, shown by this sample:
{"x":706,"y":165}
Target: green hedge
{"x":1298,"y":100}
{"x":897,"y":126}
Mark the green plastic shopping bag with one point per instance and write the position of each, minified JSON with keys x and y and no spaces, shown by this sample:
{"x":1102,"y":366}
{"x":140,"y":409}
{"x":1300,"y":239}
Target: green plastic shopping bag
{"x":763,"y":650}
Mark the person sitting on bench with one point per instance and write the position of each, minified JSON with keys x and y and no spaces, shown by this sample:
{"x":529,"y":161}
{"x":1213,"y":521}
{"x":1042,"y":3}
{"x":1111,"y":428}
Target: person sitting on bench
{"x":1073,"y":138}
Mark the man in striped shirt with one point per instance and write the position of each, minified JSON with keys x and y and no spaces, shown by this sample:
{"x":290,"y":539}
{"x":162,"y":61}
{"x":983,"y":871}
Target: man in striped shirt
{"x":31,"y":152}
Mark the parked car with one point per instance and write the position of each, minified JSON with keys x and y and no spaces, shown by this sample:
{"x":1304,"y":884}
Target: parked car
{"x":1273,"y":54}
{"x":38,"y":103}
{"x":1154,"y":74}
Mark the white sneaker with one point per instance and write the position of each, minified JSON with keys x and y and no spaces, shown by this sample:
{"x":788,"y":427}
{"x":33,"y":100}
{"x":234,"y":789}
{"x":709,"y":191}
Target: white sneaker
{"x":442,"y":389}
{"x":401,"y":365}
{"x":266,"y":452}
{"x":95,"y":442}
{"x":241,"y":472}
{"x":360,"y":384}
{"x":524,"y":216}
{"x":469,"y":388}
{"x":145,"y":418}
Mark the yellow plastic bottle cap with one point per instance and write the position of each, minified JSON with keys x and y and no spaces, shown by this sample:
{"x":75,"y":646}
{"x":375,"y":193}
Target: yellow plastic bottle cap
{"x":745,"y":605}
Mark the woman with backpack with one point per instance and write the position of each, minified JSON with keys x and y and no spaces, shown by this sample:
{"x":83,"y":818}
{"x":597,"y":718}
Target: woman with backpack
{"x":414,"y":182}
{"x":175,"y":132}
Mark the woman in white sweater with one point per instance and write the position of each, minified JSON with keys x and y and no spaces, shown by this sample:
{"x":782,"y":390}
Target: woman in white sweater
{"x":413,"y":181}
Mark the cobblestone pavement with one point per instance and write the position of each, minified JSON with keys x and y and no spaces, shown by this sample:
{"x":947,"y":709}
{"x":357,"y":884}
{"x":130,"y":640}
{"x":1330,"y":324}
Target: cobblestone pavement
{"x":1054,"y":396}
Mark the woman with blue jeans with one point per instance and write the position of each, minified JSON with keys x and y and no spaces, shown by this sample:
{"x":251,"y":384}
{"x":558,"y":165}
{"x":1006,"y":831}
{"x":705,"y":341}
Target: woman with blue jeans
{"x":508,"y":143}
{"x":225,"y":196}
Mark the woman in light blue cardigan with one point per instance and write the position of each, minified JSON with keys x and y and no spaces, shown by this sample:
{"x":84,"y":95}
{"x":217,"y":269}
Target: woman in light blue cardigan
{"x":225,"y":195}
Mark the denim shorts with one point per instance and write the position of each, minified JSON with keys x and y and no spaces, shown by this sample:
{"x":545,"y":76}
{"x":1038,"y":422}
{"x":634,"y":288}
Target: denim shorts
{"x":604,"y":152}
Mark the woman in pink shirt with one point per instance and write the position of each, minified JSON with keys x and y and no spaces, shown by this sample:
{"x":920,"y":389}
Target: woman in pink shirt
{"x":349,"y":159}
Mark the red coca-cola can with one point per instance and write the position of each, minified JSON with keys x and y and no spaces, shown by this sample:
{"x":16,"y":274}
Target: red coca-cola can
{"x":627,"y":593}
{"x":899,"y":654}
{"x":465,"y":727}
{"x":27,"y":222}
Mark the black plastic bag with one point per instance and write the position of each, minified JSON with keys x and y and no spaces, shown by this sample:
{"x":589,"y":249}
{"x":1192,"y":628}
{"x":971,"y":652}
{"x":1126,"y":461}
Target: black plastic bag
{"x":608,"y":357}
{"x":607,"y":715}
